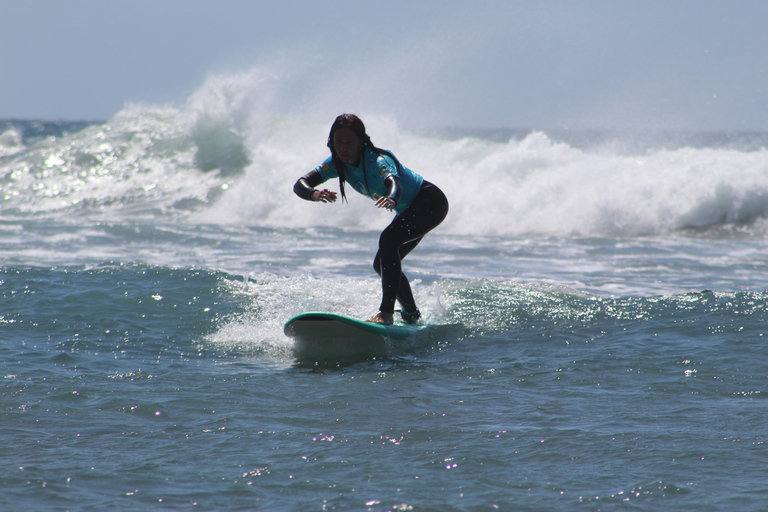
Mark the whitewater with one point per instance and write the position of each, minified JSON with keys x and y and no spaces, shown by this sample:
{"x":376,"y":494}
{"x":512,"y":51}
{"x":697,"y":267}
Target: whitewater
{"x":601,"y":298}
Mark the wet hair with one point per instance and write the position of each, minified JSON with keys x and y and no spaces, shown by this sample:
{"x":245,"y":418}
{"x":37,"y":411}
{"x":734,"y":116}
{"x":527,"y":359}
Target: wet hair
{"x":355,"y":124}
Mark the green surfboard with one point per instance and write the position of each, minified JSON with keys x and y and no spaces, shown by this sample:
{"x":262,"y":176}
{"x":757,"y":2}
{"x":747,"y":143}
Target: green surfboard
{"x":323,"y":336}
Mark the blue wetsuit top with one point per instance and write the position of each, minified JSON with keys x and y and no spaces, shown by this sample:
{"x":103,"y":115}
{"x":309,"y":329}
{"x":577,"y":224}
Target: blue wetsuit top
{"x":368,"y":177}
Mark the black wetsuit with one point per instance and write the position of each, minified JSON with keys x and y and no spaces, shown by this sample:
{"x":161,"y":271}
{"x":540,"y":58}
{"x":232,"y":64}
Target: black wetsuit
{"x":403,"y":234}
{"x":427,"y":210}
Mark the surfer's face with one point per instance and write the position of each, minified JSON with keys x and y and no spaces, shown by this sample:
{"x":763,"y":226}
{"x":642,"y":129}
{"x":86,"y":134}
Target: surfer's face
{"x":347,"y":145}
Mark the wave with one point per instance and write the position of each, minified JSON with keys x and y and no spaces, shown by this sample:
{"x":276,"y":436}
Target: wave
{"x":230,"y":156}
{"x":470,"y":308}
{"x":10,"y":142}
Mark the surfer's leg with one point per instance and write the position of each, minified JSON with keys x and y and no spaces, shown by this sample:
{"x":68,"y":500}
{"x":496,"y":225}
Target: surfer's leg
{"x":398,"y":239}
{"x":403,"y":292}
{"x":389,"y":267}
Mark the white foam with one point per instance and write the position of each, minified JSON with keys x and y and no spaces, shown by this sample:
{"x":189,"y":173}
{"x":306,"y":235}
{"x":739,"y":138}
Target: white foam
{"x":232,"y":153}
{"x":274,"y":299}
{"x":10,"y":143}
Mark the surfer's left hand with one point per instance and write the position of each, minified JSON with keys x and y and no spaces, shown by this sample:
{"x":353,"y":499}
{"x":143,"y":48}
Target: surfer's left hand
{"x":384,"y":202}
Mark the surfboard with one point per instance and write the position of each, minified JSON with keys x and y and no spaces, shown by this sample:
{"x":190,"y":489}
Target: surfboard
{"x":320,"y":336}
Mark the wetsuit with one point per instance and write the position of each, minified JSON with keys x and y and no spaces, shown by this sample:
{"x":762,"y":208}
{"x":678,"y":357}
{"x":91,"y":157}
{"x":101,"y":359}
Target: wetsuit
{"x":421,"y":207}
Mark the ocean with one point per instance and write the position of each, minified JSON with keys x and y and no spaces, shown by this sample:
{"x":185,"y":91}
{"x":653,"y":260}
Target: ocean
{"x":599,"y":302}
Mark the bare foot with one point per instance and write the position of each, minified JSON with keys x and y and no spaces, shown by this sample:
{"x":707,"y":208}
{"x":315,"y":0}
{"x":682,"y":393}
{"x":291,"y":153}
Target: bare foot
{"x":382,"y":318}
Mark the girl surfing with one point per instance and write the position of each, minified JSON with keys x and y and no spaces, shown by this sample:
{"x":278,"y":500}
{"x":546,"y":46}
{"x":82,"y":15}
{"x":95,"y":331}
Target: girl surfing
{"x":419,"y":206}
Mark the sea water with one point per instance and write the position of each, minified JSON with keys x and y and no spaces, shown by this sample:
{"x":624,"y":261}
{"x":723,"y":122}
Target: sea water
{"x":598,"y":302}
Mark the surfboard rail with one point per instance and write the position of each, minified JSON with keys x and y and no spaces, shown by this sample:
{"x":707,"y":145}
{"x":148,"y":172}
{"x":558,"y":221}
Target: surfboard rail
{"x":397,"y":332}
{"x":320,"y":335}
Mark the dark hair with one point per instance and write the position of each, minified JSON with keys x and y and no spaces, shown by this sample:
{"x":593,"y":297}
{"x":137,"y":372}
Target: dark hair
{"x":355,"y":124}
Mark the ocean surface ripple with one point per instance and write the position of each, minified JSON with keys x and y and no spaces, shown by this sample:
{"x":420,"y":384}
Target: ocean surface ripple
{"x":597,"y":302}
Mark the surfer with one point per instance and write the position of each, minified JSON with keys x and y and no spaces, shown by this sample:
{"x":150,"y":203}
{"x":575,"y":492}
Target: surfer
{"x":418,"y":204}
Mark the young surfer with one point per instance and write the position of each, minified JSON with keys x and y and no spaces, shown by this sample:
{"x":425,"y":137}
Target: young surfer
{"x":418,"y":204}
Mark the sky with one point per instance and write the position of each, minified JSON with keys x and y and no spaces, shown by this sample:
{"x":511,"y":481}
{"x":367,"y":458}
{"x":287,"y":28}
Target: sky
{"x":567,"y":64}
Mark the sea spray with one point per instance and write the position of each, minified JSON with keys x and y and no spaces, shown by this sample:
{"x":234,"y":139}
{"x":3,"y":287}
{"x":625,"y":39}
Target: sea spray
{"x":231,"y":154}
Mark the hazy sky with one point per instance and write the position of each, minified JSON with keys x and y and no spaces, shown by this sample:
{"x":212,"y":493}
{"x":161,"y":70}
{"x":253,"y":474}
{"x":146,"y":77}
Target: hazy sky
{"x":669,"y":64}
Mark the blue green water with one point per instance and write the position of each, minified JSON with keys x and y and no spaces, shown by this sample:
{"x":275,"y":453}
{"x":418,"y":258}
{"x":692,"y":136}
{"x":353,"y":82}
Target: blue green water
{"x":603,"y":340}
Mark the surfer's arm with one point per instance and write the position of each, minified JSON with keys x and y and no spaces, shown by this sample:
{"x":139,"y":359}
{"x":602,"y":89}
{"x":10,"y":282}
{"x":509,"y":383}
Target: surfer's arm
{"x":394,"y":193}
{"x":305,"y":188}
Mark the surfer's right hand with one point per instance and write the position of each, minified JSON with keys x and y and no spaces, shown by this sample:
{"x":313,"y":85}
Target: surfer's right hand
{"x":324,"y":196}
